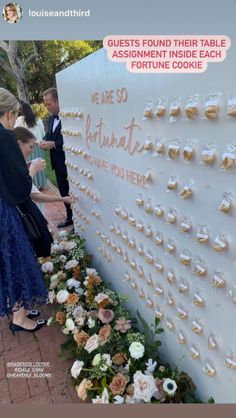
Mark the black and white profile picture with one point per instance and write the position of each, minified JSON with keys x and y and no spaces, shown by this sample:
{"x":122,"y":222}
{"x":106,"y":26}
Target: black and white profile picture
{"x":12,"y":13}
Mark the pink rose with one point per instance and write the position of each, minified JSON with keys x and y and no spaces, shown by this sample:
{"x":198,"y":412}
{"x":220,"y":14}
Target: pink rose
{"x":105,"y":315}
{"x":122,"y":324}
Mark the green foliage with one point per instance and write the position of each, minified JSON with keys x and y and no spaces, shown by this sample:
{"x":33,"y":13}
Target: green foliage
{"x":40,"y":110}
{"x":50,"y":173}
{"x":53,"y":56}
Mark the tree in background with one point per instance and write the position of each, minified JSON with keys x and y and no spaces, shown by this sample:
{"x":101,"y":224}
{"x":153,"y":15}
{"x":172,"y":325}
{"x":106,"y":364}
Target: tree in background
{"x":30,"y":67}
{"x":15,"y":66}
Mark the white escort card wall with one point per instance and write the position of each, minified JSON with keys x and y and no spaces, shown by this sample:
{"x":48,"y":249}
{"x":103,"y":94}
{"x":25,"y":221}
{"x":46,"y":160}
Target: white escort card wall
{"x":153,"y":165}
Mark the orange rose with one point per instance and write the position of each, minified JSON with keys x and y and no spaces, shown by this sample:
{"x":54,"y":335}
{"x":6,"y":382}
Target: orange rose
{"x":104,"y":303}
{"x":118,"y":384}
{"x":82,"y":389}
{"x":72,"y":299}
{"x":76,"y":272}
{"x":94,"y":280}
{"x":60,"y":317}
{"x":119,"y":358}
{"x":81,"y":338}
{"x":104,"y":334}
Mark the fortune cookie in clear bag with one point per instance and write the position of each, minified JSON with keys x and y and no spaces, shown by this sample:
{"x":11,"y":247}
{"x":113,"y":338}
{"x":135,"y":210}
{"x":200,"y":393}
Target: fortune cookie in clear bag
{"x":173,"y":150}
{"x":220,"y":243}
{"x":208,"y":156}
{"x":232,"y":106}
{"x":185,"y":257}
{"x":218,"y":280}
{"x":159,"y":211}
{"x":174,"y":109}
{"x":160,"y":107}
{"x":186,"y":192}
{"x":188,"y":152}
{"x":186,"y":224}
{"x":226,"y":204}
{"x":172,"y":183}
{"x":159,"y":147}
{"x":171,"y":216}
{"x":228,"y":161}
{"x":148,"y":110}
{"x":148,"y":146}
{"x":212,"y":106}
{"x":148,"y":207}
{"x":202,"y":234}
{"x":159,"y":238}
{"x":170,"y":246}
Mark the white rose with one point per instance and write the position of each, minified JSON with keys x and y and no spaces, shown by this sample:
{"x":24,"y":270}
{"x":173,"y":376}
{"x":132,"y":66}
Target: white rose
{"x":91,"y":272}
{"x":136,"y":350}
{"x":49,"y":321}
{"x":79,"y":291}
{"x":63,"y":234}
{"x":71,"y":264}
{"x":107,"y":359}
{"x":56,"y":248}
{"x":47,"y":267}
{"x":144,"y":386}
{"x":92,"y":343}
{"x":101,"y":297}
{"x":91,"y":323}
{"x":72,"y":283}
{"x":96,"y":360}
{"x":70,"y":245}
{"x":66,"y":331}
{"x":51,"y":296}
{"x":76,"y":368}
{"x":62,"y":295}
{"x":70,"y":324}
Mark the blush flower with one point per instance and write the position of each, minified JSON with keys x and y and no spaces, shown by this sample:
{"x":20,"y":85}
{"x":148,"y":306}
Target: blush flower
{"x":92,"y":343}
{"x":104,"y":334}
{"x":82,"y":389}
{"x":118,"y":384}
{"x":105,"y":315}
{"x":144,"y":387}
{"x":122,"y":324}
{"x":71,"y":264}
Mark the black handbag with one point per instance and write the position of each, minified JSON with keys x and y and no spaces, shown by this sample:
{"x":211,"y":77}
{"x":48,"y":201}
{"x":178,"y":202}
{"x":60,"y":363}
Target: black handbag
{"x":30,"y":226}
{"x":38,"y":226}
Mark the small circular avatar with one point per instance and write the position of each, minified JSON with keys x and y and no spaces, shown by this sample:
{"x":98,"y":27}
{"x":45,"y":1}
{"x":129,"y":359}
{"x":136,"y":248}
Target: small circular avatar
{"x":12,"y":13}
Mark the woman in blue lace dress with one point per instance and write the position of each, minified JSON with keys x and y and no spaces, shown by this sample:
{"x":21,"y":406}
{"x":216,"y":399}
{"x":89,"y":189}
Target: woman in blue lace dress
{"x":21,"y":280}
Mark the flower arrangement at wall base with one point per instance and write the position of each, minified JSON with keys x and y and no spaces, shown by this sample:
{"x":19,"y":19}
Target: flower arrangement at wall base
{"x":115,"y":357}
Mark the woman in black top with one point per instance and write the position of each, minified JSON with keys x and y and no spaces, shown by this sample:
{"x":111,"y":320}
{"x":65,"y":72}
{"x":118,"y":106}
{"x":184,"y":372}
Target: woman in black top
{"x":21,"y":281}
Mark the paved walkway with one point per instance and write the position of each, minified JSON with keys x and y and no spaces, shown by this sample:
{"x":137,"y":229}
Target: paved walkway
{"x":43,"y":346}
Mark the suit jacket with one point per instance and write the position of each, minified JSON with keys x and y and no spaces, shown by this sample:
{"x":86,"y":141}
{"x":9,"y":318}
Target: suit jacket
{"x":15,"y":181}
{"x":57,"y":154}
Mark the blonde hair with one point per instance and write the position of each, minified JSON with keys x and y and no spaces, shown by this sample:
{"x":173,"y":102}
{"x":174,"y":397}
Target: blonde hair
{"x":12,"y":7}
{"x":8,"y":102}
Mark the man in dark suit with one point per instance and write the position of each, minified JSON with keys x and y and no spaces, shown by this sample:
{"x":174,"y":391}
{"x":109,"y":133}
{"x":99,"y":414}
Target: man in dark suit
{"x":53,"y":141}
